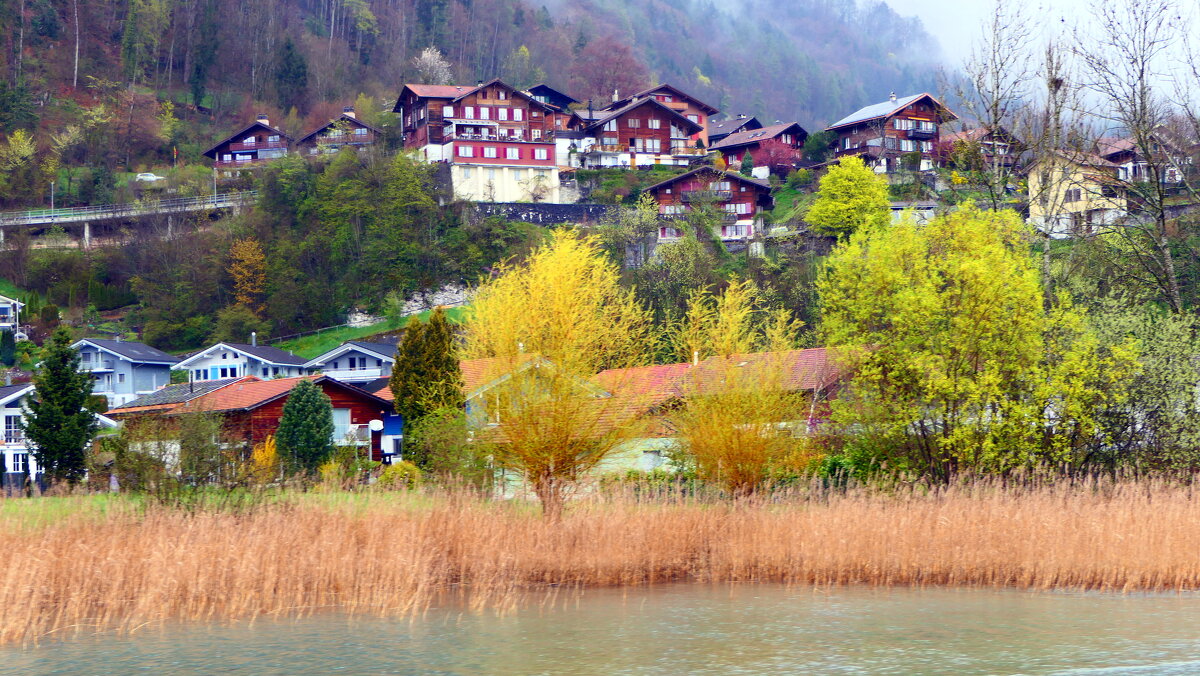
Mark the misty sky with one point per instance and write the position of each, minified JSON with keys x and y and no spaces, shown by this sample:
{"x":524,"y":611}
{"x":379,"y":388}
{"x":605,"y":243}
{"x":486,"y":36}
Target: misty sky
{"x":957,"y":23}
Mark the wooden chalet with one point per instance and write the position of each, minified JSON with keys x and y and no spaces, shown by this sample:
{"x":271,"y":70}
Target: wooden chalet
{"x":778,"y":146}
{"x":695,"y":110}
{"x":741,"y":200}
{"x":254,"y":145}
{"x":882,"y":133}
{"x":344,"y":131}
{"x":982,"y":147}
{"x":643,"y":132}
{"x":719,"y":129}
{"x":560,"y":102}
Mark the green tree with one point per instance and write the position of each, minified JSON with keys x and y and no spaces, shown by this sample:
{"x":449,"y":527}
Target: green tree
{"x":56,"y":423}
{"x":747,"y":167}
{"x":850,"y":198}
{"x":235,"y":324}
{"x":291,"y":77}
{"x":305,"y":434}
{"x":520,"y":71}
{"x":426,"y":376}
{"x":956,"y":365}
{"x":8,"y":348}
{"x":818,"y":145}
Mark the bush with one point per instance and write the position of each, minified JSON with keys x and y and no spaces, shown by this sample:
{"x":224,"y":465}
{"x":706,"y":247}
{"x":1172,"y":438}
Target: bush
{"x":400,"y":475}
{"x":49,"y":314}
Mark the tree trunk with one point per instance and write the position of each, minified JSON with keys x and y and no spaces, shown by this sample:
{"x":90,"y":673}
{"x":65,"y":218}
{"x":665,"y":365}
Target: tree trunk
{"x":549,"y":493}
{"x":75,"y":73}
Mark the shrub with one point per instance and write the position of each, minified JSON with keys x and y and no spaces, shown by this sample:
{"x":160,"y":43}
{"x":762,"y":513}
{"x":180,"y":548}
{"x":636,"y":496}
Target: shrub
{"x":400,"y":475}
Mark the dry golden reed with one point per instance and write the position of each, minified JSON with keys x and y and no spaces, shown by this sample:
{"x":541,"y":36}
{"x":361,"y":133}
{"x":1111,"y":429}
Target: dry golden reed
{"x":395,"y":555}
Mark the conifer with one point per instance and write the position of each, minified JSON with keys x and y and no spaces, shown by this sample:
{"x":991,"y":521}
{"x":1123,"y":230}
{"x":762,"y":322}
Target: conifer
{"x":56,"y":423}
{"x":305,"y":434}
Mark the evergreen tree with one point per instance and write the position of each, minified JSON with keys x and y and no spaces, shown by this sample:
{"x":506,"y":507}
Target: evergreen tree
{"x":291,"y":77}
{"x":747,"y":164}
{"x":305,"y":433}
{"x":426,"y":376}
{"x":8,"y":348}
{"x":56,"y":423}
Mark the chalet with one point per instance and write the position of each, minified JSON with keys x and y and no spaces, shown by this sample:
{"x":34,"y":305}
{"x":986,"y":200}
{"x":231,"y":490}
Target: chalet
{"x":777,"y":147}
{"x":719,"y":129}
{"x":741,"y":201}
{"x":560,"y":103}
{"x":236,"y":360}
{"x":498,"y":141}
{"x":979,"y":148}
{"x":886,"y":134}
{"x":250,"y":410}
{"x":1133,"y":164}
{"x":124,"y":370}
{"x":10,"y":314}
{"x":641,"y":133}
{"x":344,"y":131}
{"x":691,"y":108}
{"x":255,"y":145}
{"x":1072,"y":192}
{"x":166,"y":399}
{"x":356,"y":361}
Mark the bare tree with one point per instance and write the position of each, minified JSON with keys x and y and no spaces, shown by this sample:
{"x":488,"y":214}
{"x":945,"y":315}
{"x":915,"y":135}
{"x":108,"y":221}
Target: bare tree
{"x":1124,"y":57}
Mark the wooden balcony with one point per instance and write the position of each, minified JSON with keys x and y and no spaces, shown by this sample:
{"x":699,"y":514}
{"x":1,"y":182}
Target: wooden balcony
{"x":922,"y":134}
{"x":701,"y":195}
{"x":266,"y":145}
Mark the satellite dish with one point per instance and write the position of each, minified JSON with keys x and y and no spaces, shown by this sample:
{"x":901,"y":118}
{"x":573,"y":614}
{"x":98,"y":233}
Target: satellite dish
{"x":375,"y":425}
{"x":20,"y":336}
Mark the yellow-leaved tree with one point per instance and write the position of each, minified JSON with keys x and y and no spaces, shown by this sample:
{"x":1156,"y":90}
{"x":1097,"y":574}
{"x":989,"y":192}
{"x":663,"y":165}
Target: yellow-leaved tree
{"x":545,"y":328}
{"x":955,"y":364}
{"x":248,"y":267}
{"x":851,"y":197}
{"x":264,"y":462}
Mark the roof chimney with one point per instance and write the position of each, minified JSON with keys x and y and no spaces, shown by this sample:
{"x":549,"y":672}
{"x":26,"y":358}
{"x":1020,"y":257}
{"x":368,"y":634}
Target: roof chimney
{"x":254,"y":338}
{"x":892,"y":97}
{"x":7,"y":378}
{"x":348,"y":111}
{"x":741,"y":116}
{"x":263,"y":120}
{"x":616,"y":95}
{"x":479,"y":83}
{"x":695,"y":357}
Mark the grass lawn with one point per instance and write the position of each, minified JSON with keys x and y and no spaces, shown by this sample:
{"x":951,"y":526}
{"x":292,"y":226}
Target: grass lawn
{"x":320,"y":343}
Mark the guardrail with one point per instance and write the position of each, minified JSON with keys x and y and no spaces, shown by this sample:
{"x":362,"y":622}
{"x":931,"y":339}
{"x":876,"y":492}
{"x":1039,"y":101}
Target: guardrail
{"x":107,"y":211}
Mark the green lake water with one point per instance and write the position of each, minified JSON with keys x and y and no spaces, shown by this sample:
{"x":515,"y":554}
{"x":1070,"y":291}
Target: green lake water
{"x":681,"y":629}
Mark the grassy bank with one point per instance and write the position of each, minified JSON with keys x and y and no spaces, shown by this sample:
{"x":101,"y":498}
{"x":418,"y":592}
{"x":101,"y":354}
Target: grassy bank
{"x":320,"y":343}
{"x":97,"y":566}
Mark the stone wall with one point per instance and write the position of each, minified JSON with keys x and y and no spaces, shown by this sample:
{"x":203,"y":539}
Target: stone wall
{"x":544,"y":213}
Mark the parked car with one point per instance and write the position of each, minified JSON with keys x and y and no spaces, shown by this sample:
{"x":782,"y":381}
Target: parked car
{"x":149,"y":177}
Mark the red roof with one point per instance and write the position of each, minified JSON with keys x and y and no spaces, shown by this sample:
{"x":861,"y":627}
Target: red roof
{"x":743,"y":138}
{"x":250,"y":392}
{"x":438,"y":91}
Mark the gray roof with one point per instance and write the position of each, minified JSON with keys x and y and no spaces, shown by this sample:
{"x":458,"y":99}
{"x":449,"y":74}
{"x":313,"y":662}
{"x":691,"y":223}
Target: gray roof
{"x":386,"y":349}
{"x":135,"y":352}
{"x":876,"y":110}
{"x":177,"y":394}
{"x":271,"y":355}
{"x":7,"y":391}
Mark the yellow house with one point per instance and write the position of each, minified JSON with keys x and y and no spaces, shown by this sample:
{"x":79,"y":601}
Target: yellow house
{"x":1072,"y":192}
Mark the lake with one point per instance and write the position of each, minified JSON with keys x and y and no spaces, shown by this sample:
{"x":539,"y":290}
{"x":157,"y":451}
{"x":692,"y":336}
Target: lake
{"x":682,"y":629}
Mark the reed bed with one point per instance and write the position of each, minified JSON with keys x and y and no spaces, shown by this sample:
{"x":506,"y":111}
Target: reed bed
{"x":396,"y":554}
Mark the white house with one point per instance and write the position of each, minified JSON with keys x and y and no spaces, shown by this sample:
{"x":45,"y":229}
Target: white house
{"x":123,"y":370}
{"x":356,"y":361}
{"x":10,"y":313}
{"x":236,"y":360}
{"x":16,"y":459}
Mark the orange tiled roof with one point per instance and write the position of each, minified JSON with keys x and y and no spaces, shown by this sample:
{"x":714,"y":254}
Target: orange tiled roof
{"x":246,"y":393}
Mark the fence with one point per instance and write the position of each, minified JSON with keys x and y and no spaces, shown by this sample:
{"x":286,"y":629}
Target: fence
{"x":34,"y":217}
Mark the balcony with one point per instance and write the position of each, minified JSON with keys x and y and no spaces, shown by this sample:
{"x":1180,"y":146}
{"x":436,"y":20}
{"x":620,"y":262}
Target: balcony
{"x":730,"y":217}
{"x":265,"y":145}
{"x":922,"y":134}
{"x":354,"y":435}
{"x":702,"y":195}
{"x":673,"y":217}
{"x":97,"y":366}
{"x":235,"y":164}
{"x":686,"y":151}
{"x":351,"y":375}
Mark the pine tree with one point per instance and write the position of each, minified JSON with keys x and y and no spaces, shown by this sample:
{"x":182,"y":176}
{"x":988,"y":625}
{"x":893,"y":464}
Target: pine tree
{"x":426,"y":375}
{"x":305,"y":434}
{"x":291,"y":77}
{"x":56,"y":423}
{"x":747,"y":164}
{"x":8,"y":348}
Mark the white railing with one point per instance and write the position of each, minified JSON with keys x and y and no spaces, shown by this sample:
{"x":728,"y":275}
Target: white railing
{"x":107,"y":211}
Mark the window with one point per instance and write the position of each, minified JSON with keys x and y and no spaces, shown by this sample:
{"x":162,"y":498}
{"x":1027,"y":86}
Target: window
{"x":667,"y":232}
{"x":466,"y":151}
{"x":491,"y":174}
{"x":907,"y":145}
{"x":926,"y":146}
{"x":786,"y":138}
{"x":341,"y":424}
{"x":654,"y":123}
{"x":198,"y":374}
{"x":489,"y":151}
{"x":633,"y":123}
{"x":1074,"y":195}
{"x":502,"y":114}
{"x":518,"y":174}
{"x":20,"y":463}
{"x":466,"y":172}
{"x":85,"y":357}
{"x":669,"y":209}
{"x":335,"y":132}
{"x":120,"y":378}
{"x":512,"y":153}
{"x":249,"y":140}
{"x":224,"y":355}
{"x":227,"y":157}
{"x":275,"y":370}
{"x":720,"y":185}
{"x":537,"y":134}
{"x":611,"y":125}
{"x":694,"y":118}
{"x":653,"y":145}
{"x":273,"y":138}
{"x":12,"y":429}
{"x":447,"y":111}
{"x":265,"y":371}
{"x":501,"y":94}
{"x":421,"y":113}
{"x":361,"y":131}
{"x":469,"y":112}
{"x":846,"y":143}
{"x":742,"y":188}
{"x":902,"y":124}
{"x":518,"y":114}
{"x":667,"y":191}
{"x":485,"y":113}
{"x":540,"y":154}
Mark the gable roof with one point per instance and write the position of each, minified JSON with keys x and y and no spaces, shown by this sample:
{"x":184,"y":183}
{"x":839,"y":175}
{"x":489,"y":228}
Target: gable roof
{"x":427,"y":91}
{"x":265,"y":353}
{"x":381,"y":350}
{"x":732,"y":125}
{"x":11,"y":392}
{"x":249,"y":393}
{"x":601,"y":117}
{"x":12,"y":301}
{"x":650,"y":91}
{"x":537,"y":89}
{"x":886,"y":109}
{"x":140,"y":353}
{"x":751,"y":136}
{"x":212,"y":152}
{"x":349,"y":118}
{"x":726,"y":174}
{"x":168,"y":397}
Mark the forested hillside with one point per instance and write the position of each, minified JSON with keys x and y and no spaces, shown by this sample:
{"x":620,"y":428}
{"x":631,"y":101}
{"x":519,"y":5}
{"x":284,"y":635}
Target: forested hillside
{"x":102,"y":70}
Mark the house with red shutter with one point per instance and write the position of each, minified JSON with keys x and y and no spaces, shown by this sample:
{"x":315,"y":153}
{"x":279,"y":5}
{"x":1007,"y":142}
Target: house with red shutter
{"x":691,"y":108}
{"x":777,"y":147}
{"x":344,"y":131}
{"x":255,"y":145}
{"x":741,"y":201}
{"x":641,"y":133}
{"x":498,"y":141}
{"x":897,"y":134}
{"x":560,"y":103}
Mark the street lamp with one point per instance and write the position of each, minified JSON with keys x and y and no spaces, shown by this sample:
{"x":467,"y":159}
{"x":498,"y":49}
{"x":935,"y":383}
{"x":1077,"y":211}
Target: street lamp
{"x":51,"y":195}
